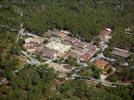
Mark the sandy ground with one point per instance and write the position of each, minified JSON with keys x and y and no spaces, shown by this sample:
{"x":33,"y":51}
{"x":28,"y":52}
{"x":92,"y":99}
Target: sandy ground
{"x":103,"y":77}
{"x":58,"y":67}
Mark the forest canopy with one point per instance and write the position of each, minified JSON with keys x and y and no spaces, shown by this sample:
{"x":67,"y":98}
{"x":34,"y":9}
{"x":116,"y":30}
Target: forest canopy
{"x":83,"y":17}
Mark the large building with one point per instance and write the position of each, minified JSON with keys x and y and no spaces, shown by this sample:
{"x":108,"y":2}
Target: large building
{"x":56,"y":33}
{"x":102,"y":64}
{"x":49,"y":53}
{"x":85,"y":57}
{"x":121,"y":52}
{"x":62,"y":45}
{"x":32,"y":43}
{"x":105,"y":35}
{"x":105,"y":32}
{"x":69,"y":39}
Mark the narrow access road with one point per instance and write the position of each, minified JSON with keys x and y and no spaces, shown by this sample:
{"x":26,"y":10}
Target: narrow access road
{"x":31,"y":60}
{"x":3,"y":81}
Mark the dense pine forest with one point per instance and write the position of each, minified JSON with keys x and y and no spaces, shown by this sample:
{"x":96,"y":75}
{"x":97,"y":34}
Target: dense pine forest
{"x":84,"y":18}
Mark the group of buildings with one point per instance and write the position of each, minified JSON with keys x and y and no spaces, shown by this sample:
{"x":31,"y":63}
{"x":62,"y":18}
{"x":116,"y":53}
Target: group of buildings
{"x":60,"y":44}
{"x":121,"y":52}
{"x":105,"y":35}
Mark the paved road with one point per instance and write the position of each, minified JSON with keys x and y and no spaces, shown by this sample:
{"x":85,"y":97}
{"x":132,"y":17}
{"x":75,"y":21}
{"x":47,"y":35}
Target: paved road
{"x":97,"y":81}
{"x":31,"y":60}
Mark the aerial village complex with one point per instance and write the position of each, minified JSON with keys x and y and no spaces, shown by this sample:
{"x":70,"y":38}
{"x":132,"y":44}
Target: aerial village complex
{"x":66,"y":49}
{"x":61,"y":45}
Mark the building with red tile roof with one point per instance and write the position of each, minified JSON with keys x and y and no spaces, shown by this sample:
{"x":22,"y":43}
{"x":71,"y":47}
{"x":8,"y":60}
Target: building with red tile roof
{"x":49,"y":53}
{"x":70,"y":39}
{"x":79,"y":43}
{"x":91,"y":46}
{"x":105,"y":36}
{"x":102,"y":64}
{"x":105,"y":32}
{"x":85,"y":57}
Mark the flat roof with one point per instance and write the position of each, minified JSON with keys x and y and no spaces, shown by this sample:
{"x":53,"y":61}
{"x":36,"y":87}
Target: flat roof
{"x":58,"y":46}
{"x":121,"y":52}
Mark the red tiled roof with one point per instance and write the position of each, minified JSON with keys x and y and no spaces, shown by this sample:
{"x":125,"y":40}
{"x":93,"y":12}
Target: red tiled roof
{"x":91,"y":52}
{"x":48,"y":53}
{"x":91,"y":46}
{"x":101,"y":63}
{"x":70,"y":39}
{"x":79,"y":43}
{"x":77,"y":49}
{"x":105,"y":32}
{"x":86,"y":56}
